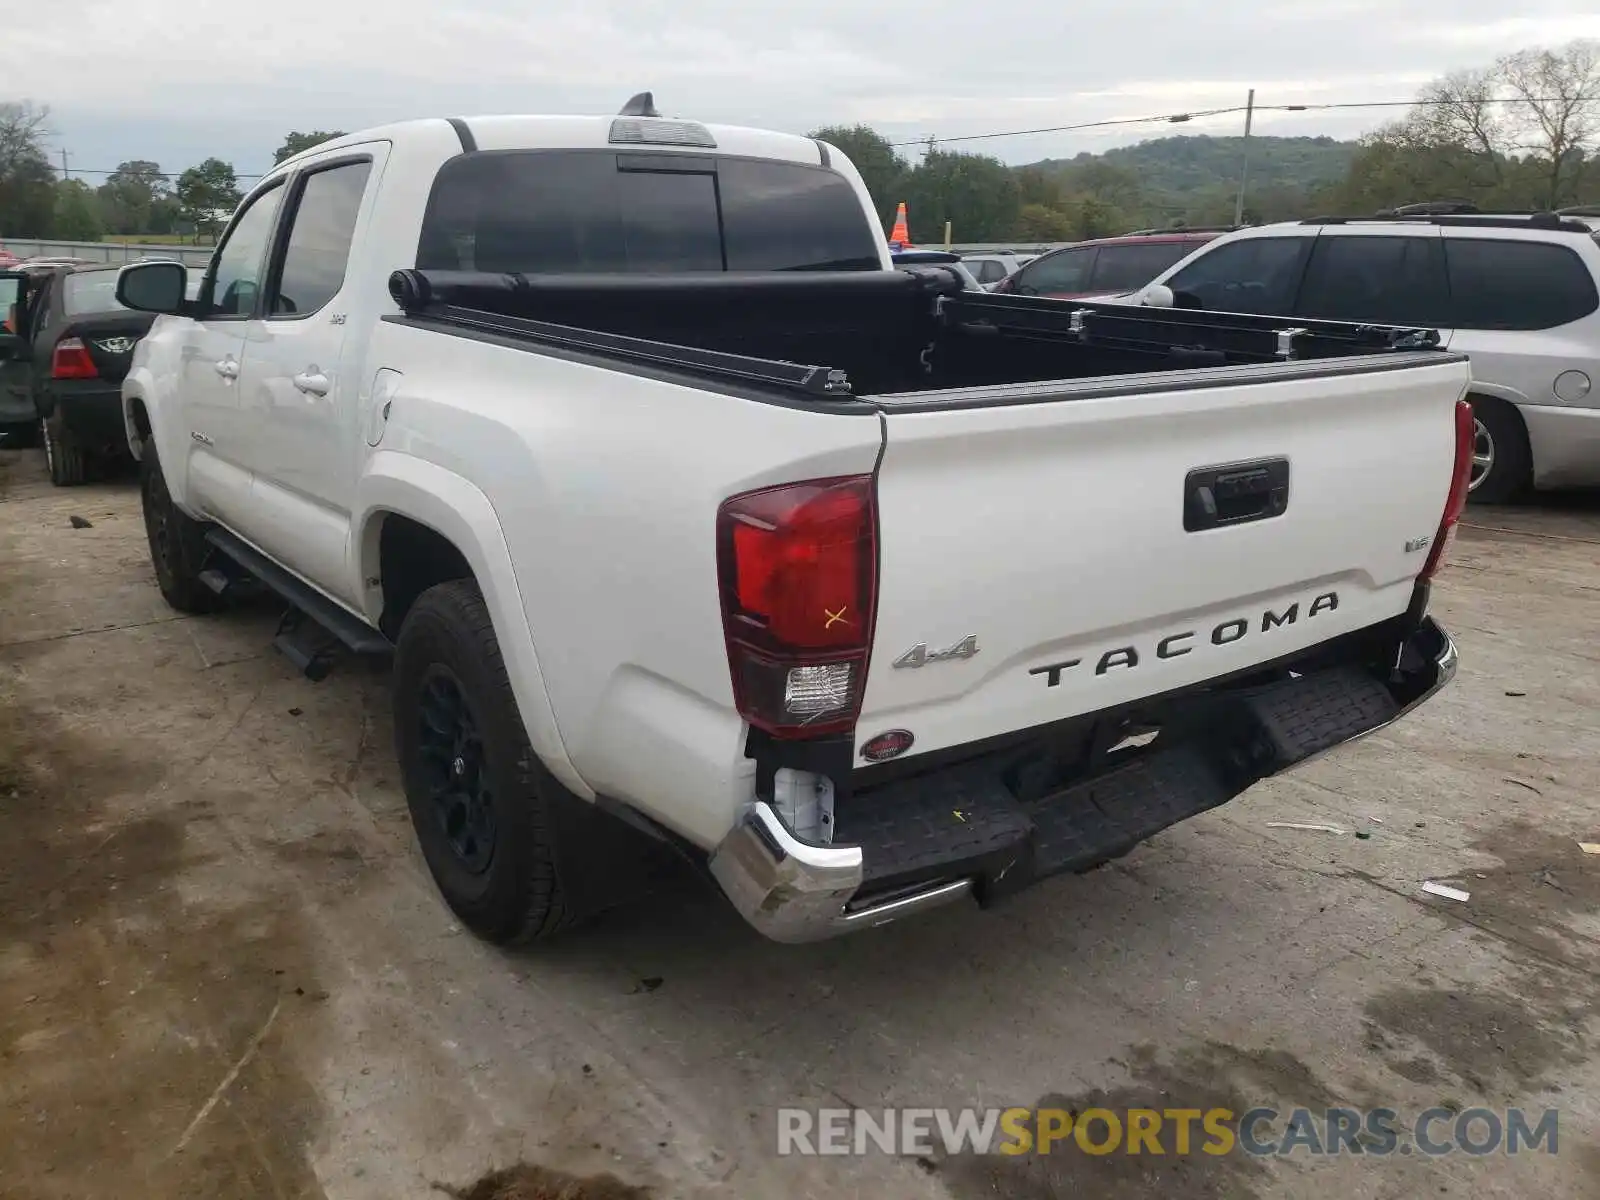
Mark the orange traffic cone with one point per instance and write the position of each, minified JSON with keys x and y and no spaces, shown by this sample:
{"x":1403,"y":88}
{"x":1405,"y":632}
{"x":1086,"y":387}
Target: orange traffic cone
{"x":900,"y":235}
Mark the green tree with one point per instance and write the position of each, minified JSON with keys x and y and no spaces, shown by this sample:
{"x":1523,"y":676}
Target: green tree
{"x":1037,"y":186}
{"x":207,"y":195}
{"x":977,"y":194}
{"x":294,"y":143}
{"x":27,"y":182}
{"x":881,"y":168}
{"x":166,"y":216}
{"x":77,"y":215}
{"x":1116,"y":186}
{"x":1092,"y":216}
{"x":1041,"y":223}
{"x":129,"y":196}
{"x":1521,"y":133}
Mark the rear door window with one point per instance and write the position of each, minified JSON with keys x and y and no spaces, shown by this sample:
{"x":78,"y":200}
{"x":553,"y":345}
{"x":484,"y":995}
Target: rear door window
{"x":1256,"y":275}
{"x":1065,"y":272}
{"x":89,"y":292}
{"x":320,"y":234}
{"x":1128,"y":268}
{"x":987,"y":270}
{"x":599,"y":212}
{"x":1505,"y":284}
{"x":1394,"y":280}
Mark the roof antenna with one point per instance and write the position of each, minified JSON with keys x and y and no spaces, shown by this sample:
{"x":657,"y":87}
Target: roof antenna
{"x":642,"y":105}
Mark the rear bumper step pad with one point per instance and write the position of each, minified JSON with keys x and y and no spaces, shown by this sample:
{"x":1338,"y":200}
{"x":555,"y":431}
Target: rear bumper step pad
{"x":967,"y":822}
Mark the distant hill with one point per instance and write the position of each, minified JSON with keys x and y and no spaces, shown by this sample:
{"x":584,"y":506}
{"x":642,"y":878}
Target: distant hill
{"x":1184,"y":166}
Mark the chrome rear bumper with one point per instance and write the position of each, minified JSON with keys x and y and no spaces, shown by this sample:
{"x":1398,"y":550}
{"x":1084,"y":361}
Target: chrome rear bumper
{"x":795,"y":891}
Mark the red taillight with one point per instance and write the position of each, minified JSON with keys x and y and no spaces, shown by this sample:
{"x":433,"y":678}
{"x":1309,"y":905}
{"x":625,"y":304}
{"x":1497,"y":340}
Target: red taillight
{"x":1456,"y":503}
{"x":798,"y":569}
{"x":71,"y":361}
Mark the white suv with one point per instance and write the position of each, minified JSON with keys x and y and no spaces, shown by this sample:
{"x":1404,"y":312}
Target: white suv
{"x":1517,"y":293}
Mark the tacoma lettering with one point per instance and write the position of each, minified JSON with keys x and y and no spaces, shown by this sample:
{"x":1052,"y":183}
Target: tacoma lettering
{"x":1174,"y":645}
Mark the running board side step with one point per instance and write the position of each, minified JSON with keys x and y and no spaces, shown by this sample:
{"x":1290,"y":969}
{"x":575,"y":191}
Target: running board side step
{"x":313,"y":628}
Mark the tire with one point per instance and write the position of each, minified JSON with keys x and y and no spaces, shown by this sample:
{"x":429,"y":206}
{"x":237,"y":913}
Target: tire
{"x":67,"y":462}
{"x":1503,"y":439}
{"x":482,"y":804}
{"x":178,"y":547}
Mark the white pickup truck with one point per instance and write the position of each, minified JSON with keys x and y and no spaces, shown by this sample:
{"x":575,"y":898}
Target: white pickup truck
{"x":679,"y":508}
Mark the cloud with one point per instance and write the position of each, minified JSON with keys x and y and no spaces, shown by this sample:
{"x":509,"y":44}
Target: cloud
{"x":170,"y":76}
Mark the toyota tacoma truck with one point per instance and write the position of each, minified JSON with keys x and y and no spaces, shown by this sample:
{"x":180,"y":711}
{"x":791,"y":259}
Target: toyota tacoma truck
{"x":678,"y":507}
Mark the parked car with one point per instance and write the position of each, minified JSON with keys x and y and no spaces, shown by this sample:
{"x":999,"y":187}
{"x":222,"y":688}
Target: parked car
{"x":682,"y":512}
{"x":937,"y":258}
{"x":1103,"y":265}
{"x":989,"y":267}
{"x":72,"y":345}
{"x":1518,"y":293}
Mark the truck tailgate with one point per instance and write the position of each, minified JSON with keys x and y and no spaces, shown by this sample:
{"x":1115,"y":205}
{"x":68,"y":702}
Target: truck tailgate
{"x":1045,"y":526}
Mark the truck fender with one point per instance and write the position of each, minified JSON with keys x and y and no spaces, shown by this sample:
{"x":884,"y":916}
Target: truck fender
{"x":456,"y":509}
{"x":172,"y":444}
{"x":1497,"y":390}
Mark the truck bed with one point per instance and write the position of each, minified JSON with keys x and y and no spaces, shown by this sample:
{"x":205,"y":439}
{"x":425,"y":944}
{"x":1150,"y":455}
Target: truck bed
{"x":870,"y":333}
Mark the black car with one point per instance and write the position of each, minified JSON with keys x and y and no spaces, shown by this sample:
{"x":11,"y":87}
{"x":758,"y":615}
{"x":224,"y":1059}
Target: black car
{"x":67,"y":346}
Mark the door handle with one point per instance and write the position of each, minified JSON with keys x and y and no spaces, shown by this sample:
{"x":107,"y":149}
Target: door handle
{"x":312,"y":382}
{"x":228,"y":368}
{"x":1214,"y":497}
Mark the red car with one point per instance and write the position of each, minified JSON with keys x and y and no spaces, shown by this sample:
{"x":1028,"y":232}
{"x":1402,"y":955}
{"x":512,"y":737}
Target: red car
{"x":1105,"y":266}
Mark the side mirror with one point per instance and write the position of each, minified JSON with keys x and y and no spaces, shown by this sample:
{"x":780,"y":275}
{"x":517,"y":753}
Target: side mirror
{"x":157,"y":287}
{"x":1157,"y":295}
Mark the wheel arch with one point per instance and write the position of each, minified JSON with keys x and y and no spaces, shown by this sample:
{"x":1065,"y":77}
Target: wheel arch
{"x":433,"y":523}
{"x":1505,"y":401}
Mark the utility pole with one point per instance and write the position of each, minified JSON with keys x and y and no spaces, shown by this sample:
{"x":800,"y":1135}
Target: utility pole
{"x":1244,"y":170}
{"x":65,"y":174}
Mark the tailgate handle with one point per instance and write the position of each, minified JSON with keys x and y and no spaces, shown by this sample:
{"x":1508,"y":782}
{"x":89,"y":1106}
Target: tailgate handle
{"x":1235,"y":494}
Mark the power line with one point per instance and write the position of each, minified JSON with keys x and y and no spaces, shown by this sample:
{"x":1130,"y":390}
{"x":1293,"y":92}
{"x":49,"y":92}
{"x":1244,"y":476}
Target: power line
{"x":1178,"y":118}
{"x":158,"y":174}
{"x":1173,"y":118}
{"x":1181,"y":118}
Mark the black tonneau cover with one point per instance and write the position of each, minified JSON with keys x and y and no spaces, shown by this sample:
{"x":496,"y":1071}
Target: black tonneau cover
{"x":833,"y":334}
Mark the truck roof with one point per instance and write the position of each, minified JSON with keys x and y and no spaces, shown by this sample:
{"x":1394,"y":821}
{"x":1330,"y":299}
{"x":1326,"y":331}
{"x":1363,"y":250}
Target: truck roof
{"x":534,"y":132}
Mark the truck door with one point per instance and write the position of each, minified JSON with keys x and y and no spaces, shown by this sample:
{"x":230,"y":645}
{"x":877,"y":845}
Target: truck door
{"x":218,"y":477}
{"x":302,"y":383}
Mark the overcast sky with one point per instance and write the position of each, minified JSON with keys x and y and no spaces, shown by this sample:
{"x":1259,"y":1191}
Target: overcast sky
{"x":178,"y":80}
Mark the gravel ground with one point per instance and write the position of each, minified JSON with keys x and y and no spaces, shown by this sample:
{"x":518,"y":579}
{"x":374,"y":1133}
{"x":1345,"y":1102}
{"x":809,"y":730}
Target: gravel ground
{"x":225,"y":973}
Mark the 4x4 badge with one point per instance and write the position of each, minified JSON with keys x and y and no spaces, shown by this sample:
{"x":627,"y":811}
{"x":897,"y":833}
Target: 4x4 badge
{"x":920,"y":656}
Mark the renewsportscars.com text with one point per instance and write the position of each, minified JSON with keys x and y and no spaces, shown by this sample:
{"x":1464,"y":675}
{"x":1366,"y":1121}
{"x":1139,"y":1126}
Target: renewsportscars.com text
{"x":1259,"y":1132}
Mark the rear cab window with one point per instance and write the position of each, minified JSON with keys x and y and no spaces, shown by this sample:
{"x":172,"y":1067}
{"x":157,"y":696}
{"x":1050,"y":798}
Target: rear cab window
{"x":1505,"y":283}
{"x":609,"y":212}
{"x":84,"y":292}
